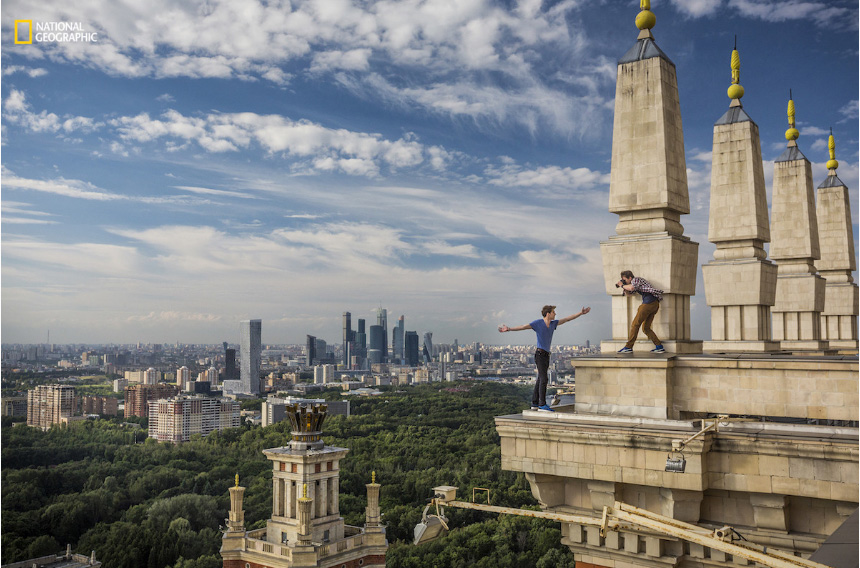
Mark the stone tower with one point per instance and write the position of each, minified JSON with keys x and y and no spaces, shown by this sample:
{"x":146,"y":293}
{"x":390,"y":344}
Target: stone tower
{"x":648,"y":192}
{"x":740,"y":283}
{"x":794,"y":246}
{"x":836,"y":237}
{"x":305,"y":529}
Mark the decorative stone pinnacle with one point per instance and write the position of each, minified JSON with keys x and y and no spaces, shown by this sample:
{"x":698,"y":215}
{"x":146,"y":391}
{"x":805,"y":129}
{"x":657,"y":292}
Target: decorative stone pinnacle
{"x":646,"y":19}
{"x":736,"y":91}
{"x":792,"y":133}
{"x":832,"y":164}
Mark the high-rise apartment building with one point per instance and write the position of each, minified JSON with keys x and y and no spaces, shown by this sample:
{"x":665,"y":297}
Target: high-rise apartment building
{"x":49,"y":404}
{"x":251,"y":346}
{"x":151,"y":376}
{"x":106,"y":405}
{"x":177,"y":419}
{"x":183,"y":377}
{"x":361,"y":340}
{"x":410,"y":345}
{"x":324,"y":374}
{"x":138,"y":397}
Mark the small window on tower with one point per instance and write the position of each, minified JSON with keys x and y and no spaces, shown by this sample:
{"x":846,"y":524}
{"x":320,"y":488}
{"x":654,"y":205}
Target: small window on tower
{"x":283,"y":466}
{"x":317,"y":468}
{"x":295,"y":468}
{"x":329,"y":466}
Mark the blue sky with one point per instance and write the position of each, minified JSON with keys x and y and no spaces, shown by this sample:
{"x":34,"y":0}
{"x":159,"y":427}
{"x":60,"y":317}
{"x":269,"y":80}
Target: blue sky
{"x":206,"y":162}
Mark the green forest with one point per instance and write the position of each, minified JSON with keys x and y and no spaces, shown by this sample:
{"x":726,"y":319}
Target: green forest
{"x":102,"y":486}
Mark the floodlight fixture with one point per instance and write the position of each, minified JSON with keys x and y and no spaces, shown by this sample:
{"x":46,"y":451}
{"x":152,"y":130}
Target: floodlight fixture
{"x":676,"y":465}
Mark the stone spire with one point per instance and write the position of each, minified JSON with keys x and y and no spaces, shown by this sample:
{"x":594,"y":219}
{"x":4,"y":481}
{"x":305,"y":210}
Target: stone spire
{"x":794,"y":247}
{"x":837,"y":262}
{"x":740,"y":283}
{"x":236,"y":519}
{"x":648,"y":192}
{"x":372,"y":516}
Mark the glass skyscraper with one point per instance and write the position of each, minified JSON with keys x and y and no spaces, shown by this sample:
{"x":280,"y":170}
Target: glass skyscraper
{"x":251,"y":348}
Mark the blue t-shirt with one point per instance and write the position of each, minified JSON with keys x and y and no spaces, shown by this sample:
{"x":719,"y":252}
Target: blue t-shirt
{"x":544,"y":333}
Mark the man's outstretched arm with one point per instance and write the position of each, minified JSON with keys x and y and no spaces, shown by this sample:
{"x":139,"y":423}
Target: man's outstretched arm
{"x":582,"y":312}
{"x":503,"y":328}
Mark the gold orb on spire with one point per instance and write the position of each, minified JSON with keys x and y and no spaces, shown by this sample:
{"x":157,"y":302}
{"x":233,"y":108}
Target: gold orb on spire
{"x":736,"y":91}
{"x":832,"y":164}
{"x":646,"y":18}
{"x":792,"y":133}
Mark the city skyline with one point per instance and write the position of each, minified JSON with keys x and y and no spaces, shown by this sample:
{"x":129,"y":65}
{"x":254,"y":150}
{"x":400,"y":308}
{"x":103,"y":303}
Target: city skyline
{"x":450,"y":162}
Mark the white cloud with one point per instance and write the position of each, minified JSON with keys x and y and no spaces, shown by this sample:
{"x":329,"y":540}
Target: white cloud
{"x":18,"y":111}
{"x":208,"y":191}
{"x":822,"y":13}
{"x":697,"y":8}
{"x":30,"y":71}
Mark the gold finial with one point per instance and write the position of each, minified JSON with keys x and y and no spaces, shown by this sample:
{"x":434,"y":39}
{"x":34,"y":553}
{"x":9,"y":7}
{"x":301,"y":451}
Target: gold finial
{"x":832,"y":164}
{"x":373,"y":473}
{"x":237,"y":480}
{"x":646,"y":18}
{"x":736,"y":91}
{"x":305,"y":491}
{"x":792,"y":133}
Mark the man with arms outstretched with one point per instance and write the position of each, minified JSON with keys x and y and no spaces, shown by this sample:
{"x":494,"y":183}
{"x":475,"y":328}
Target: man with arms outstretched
{"x":544,"y":329}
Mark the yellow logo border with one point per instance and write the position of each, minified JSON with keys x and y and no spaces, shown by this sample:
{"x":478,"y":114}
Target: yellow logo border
{"x":30,"y":40}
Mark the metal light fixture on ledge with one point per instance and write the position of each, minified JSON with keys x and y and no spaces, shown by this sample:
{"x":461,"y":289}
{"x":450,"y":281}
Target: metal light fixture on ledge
{"x":676,"y":465}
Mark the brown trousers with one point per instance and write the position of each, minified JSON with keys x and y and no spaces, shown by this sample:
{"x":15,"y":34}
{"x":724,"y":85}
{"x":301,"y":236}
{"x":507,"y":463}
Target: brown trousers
{"x":644,"y":317}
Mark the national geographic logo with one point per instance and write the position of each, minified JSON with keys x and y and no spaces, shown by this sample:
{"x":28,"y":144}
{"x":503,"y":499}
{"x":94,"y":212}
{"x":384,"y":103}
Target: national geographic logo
{"x":27,"y":33}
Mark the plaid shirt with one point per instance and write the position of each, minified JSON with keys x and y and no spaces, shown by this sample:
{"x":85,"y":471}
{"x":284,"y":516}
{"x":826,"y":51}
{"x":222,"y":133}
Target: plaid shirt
{"x":644,"y":287}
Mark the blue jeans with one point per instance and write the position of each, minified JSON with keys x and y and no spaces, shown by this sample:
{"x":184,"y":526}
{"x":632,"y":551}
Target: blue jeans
{"x":542,"y":362}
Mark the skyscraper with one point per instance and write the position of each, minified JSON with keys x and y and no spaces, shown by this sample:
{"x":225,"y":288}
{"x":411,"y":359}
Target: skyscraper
{"x":377,"y":343}
{"x":251,"y":346}
{"x":229,"y":363}
{"x":361,"y":340}
{"x":410,"y":346}
{"x":348,"y":338}
{"x":311,"y":349}
{"x":428,"y":346}
{"x":398,"y":340}
{"x":382,"y":321}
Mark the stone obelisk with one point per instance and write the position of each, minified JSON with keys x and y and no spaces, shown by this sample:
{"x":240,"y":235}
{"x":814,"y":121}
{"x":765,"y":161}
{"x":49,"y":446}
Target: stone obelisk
{"x":740,"y":283}
{"x":648,"y":192}
{"x":837,"y":262}
{"x":794,"y":247}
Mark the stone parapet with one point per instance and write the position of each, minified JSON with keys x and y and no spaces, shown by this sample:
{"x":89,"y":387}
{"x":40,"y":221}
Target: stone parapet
{"x":824,"y":388}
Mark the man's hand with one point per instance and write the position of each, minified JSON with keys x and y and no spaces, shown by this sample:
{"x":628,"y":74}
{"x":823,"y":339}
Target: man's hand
{"x":503,"y":328}
{"x":585,"y":310}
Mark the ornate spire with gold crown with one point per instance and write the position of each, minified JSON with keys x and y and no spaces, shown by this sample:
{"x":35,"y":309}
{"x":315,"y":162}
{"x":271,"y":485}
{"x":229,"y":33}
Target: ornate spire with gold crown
{"x":838,"y":261}
{"x":648,"y":191}
{"x":795,"y":248}
{"x":738,"y":225}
